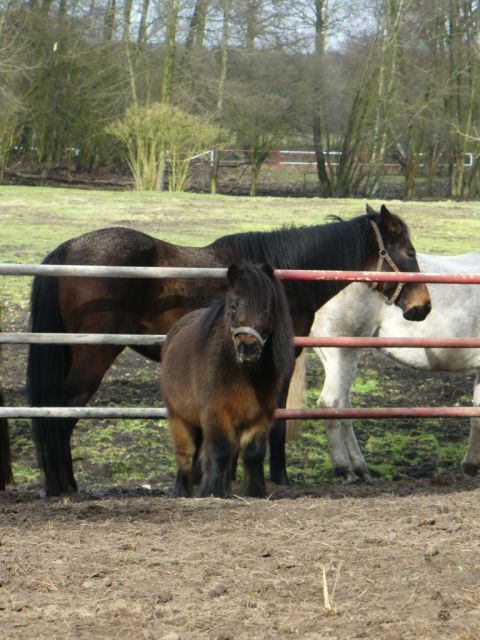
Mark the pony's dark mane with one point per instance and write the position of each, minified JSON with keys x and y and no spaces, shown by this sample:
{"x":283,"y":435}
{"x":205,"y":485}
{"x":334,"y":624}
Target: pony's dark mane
{"x":210,"y":316}
{"x":313,"y":247}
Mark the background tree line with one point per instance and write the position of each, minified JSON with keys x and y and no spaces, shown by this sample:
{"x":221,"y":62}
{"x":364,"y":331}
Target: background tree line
{"x":376,"y":80}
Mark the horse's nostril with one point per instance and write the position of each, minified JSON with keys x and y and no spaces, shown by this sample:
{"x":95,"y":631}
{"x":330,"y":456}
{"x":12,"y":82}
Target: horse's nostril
{"x":418,"y":313}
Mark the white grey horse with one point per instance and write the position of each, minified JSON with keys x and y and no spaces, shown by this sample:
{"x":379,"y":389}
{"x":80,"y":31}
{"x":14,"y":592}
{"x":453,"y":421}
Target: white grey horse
{"x":358,"y":312}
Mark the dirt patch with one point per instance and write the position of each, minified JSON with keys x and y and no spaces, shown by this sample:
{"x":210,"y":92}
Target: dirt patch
{"x":317,"y":560}
{"x":395,"y":560}
{"x":232,"y":180}
{"x":390,"y":562}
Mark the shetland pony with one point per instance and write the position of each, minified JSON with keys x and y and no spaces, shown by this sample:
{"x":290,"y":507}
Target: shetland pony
{"x":223,"y":369}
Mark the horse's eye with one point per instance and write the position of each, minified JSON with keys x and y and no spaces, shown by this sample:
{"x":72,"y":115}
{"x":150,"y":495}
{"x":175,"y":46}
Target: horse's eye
{"x":411,"y":253}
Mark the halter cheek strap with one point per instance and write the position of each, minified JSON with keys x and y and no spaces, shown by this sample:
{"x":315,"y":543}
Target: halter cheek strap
{"x":384,"y":256}
{"x":251,"y":332}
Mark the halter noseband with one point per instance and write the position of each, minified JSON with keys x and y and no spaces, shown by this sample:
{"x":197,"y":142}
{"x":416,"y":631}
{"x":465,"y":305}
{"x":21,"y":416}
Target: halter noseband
{"x":384,"y":256}
{"x":251,"y":332}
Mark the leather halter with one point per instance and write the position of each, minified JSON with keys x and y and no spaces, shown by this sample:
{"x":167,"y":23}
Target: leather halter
{"x":384,"y":256}
{"x":251,"y":332}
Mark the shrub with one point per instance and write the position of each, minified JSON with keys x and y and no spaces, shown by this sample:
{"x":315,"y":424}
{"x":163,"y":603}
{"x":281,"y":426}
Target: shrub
{"x":160,"y":135}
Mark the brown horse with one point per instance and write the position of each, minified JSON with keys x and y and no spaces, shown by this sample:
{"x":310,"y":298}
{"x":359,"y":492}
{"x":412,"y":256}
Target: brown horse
{"x":223,"y":369}
{"x":6,"y":476}
{"x":70,"y":375}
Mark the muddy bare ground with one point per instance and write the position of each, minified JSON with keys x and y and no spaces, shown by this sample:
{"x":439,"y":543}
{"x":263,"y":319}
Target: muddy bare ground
{"x":394,"y":561}
{"x":318,"y":560}
{"x":397,"y":560}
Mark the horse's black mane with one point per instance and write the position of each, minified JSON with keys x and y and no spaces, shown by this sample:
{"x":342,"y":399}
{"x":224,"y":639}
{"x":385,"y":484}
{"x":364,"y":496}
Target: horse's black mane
{"x":292,"y":247}
{"x":328,"y":246}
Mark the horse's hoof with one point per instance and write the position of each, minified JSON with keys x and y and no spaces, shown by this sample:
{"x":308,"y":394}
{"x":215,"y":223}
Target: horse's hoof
{"x":352,"y":478}
{"x":179,"y":491}
{"x":365,"y":476}
{"x":57,"y":491}
{"x":348,"y":475}
{"x":281,"y":478}
{"x":257,"y":491}
{"x":469,"y":468}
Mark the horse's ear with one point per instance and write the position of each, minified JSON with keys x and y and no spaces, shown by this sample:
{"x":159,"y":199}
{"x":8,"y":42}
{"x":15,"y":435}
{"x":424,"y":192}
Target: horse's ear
{"x":232,"y":273}
{"x":369,"y":209}
{"x":388,"y":221}
{"x":268,"y":269}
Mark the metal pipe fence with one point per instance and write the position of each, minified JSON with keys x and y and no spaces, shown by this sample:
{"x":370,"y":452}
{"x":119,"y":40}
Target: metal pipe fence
{"x":301,"y":341}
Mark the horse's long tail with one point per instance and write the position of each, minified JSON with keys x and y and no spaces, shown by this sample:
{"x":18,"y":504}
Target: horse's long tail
{"x":296,"y":392}
{"x":6,"y":476}
{"x":46,"y":372}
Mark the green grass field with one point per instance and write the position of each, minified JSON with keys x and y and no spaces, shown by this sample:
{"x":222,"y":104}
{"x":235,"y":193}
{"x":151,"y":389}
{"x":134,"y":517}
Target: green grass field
{"x":35,"y":220}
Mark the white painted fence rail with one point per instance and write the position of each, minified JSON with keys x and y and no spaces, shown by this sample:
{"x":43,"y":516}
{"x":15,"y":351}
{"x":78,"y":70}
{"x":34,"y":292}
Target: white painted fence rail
{"x":160,"y":412}
{"x":132,"y":339}
{"x":7,"y":269}
{"x":197,"y":272}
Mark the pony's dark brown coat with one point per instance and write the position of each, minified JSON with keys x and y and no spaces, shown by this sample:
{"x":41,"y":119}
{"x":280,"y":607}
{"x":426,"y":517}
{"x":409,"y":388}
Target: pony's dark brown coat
{"x":223,"y":369}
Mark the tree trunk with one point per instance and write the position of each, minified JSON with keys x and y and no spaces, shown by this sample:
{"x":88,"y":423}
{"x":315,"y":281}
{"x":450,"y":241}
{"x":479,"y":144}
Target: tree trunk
{"x":127,"y":10}
{"x":196,"y":30}
{"x":319,"y":129}
{"x":170,"y":45}
{"x":142,"y":54}
{"x":109,"y":20}
{"x":215,"y":164}
{"x":387,"y":70}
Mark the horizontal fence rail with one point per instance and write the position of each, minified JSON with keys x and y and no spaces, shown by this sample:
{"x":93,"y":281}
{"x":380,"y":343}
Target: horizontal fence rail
{"x":197,"y":272}
{"x":289,"y":414}
{"x":285,"y":274}
{"x":109,"y":272}
{"x":128,"y":339}
{"x":378,"y":276}
{"x":382,"y":343}
{"x":125,"y":339}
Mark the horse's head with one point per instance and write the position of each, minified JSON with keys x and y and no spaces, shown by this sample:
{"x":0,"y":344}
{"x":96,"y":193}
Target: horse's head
{"x":392,"y":250}
{"x":249,"y":309}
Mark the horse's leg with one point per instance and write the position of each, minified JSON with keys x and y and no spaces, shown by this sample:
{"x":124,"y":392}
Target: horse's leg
{"x":5,"y":455}
{"x":197,"y":462}
{"x":185,"y":451}
{"x":471,"y":460}
{"x":52,"y":435}
{"x":277,"y":437}
{"x":217,"y":454}
{"x":340,"y":370}
{"x":357,"y":461}
{"x":253,"y":456}
{"x":5,"y":452}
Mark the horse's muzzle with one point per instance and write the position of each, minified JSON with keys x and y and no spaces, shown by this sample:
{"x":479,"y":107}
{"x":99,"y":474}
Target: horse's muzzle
{"x":248,"y":344}
{"x":247,"y":350}
{"x":418,"y":313}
